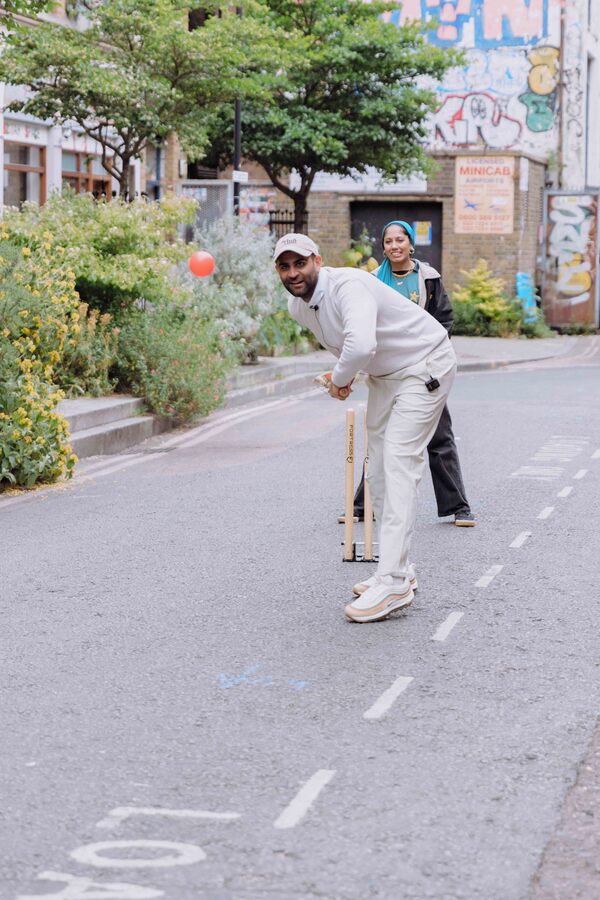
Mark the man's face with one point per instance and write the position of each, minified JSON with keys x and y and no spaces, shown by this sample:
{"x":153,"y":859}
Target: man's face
{"x":299,"y":274}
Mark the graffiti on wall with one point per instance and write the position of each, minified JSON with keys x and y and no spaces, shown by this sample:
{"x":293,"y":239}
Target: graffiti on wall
{"x":574,"y":107}
{"x":540,"y":98}
{"x":570,"y":290}
{"x":466,"y":120}
{"x":506,"y":94}
{"x":502,"y":98}
{"x":484,"y":23}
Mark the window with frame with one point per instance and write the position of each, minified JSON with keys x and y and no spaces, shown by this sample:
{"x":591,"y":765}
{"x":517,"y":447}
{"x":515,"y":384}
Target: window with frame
{"x":85,"y":174}
{"x":24,"y":173}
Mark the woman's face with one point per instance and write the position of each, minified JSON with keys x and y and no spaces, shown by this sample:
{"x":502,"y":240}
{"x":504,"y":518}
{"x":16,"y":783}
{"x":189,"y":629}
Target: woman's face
{"x":396,"y":246}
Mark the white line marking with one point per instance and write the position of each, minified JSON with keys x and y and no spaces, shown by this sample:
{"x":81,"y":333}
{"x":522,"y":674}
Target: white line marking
{"x":581,"y":474}
{"x":381,"y":706}
{"x":217,"y":429}
{"x":489,"y":576}
{"x":520,"y":539}
{"x":124,"y":465}
{"x":108,"y":460}
{"x":174,"y":854}
{"x":447,"y":626}
{"x":82,"y":886}
{"x":202,"y":432}
{"x":304,"y":799}
{"x":12,"y":500}
{"x":543,"y":473}
{"x":596,"y":454}
{"x":546,"y":512}
{"x":564,"y":492}
{"x":118,"y":815}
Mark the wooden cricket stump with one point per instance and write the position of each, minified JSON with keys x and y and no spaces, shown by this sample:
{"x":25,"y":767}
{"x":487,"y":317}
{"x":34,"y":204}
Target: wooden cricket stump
{"x":365,"y":550}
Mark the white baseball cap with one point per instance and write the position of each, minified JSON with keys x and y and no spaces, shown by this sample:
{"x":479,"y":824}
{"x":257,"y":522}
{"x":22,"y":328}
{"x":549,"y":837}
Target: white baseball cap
{"x":297,"y":243}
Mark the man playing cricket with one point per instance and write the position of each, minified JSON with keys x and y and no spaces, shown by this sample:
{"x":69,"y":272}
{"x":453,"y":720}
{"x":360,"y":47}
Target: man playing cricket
{"x":410,"y":365}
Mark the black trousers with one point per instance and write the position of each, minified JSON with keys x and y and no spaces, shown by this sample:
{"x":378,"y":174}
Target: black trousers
{"x":445,"y":472}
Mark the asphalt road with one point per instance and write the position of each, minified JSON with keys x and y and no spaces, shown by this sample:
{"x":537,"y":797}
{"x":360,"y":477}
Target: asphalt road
{"x":186,"y":713}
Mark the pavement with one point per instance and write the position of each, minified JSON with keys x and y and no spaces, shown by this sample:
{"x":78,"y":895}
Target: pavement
{"x":108,"y":425}
{"x":474,"y":354}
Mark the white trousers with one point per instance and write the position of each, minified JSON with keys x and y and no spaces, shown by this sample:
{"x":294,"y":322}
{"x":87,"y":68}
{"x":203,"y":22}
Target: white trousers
{"x":402,"y":416}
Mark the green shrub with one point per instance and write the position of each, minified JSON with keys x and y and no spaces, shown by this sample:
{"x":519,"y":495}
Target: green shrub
{"x":37,"y":302}
{"x":280,"y":334}
{"x":244,"y":289}
{"x":175,"y":360}
{"x":360,"y":254}
{"x":89,"y":354}
{"x":481,"y":307}
{"x":120,"y":252}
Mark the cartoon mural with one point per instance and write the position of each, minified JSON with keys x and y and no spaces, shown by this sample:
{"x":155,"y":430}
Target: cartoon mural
{"x":506,"y":94}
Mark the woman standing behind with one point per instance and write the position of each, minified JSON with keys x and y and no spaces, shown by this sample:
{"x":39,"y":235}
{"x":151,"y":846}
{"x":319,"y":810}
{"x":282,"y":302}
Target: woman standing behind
{"x":420,"y":283}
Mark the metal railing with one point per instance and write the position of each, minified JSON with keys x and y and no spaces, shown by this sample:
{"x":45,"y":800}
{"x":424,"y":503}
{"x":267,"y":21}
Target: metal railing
{"x":281,"y":221}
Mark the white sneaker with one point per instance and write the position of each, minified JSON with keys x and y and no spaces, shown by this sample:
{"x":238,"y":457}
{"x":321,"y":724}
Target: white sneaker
{"x":363,"y":586}
{"x":379,"y":600}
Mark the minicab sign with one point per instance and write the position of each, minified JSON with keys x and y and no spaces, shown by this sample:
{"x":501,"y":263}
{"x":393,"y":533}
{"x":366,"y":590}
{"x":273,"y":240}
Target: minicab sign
{"x":484,"y":195}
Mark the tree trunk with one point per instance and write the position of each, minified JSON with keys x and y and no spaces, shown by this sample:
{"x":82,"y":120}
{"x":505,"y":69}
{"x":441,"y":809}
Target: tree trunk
{"x":124,"y":181}
{"x":300,"y":214}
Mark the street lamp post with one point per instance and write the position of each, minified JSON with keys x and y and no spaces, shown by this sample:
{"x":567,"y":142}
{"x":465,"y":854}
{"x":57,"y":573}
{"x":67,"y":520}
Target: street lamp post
{"x":237,"y":144}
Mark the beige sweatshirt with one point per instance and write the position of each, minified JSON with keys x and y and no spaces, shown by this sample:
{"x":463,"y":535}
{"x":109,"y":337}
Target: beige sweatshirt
{"x":369,"y":326}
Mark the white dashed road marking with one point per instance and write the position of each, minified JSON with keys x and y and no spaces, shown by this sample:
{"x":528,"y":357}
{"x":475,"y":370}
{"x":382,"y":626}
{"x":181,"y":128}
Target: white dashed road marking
{"x":304,"y":799}
{"x":581,"y":474}
{"x":546,"y":512}
{"x":383,"y":704}
{"x":521,"y":538}
{"x":489,"y":576}
{"x":564,"y":492}
{"x":447,"y":626}
{"x":542,"y":473}
{"x":118,"y":815}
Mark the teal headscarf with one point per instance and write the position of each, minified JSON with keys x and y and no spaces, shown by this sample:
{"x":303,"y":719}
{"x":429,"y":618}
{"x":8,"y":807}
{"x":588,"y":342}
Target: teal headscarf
{"x":385,"y":270}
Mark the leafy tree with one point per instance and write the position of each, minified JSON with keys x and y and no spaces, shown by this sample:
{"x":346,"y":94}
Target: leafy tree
{"x":137,"y":74}
{"x":30,"y":8}
{"x":353,"y":98}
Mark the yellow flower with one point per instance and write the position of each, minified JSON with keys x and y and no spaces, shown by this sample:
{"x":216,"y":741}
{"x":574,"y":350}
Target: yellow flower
{"x":40,"y":440}
{"x":27,"y":438}
{"x":6,"y":332}
{"x":26,"y":251}
{"x":16,"y":434}
{"x":24,"y":313}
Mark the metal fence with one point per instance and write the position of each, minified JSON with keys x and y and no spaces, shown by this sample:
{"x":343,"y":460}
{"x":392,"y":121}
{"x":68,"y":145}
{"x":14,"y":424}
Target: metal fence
{"x":282,"y":220}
